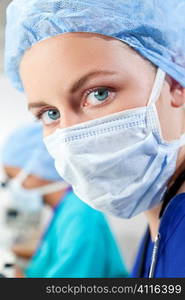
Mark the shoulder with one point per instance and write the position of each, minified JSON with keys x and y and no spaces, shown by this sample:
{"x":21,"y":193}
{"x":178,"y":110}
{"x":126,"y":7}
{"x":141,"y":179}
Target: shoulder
{"x":76,"y":222}
{"x":77,"y":213}
{"x":173,"y":218}
{"x":172,"y":244}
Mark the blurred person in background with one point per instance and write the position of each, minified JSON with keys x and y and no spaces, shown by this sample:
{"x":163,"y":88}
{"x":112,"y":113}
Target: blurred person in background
{"x":107,"y":79}
{"x":77,"y":241}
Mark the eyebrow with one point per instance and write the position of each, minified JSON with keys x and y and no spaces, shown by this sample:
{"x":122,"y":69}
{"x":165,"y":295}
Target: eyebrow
{"x":83,"y":80}
{"x":75,"y":86}
{"x":37,"y":104}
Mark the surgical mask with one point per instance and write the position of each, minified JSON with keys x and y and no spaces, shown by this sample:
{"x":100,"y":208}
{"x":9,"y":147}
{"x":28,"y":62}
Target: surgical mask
{"x":119,"y":163}
{"x":29,"y":200}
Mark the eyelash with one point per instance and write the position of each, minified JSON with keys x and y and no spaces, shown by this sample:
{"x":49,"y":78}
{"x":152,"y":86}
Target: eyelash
{"x":40,"y":113}
{"x":88,"y":92}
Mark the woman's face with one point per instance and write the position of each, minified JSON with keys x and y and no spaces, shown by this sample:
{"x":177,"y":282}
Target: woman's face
{"x":76,"y":77}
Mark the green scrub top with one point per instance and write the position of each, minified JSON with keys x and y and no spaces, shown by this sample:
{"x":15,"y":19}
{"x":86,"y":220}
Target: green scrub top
{"x":78,"y":244}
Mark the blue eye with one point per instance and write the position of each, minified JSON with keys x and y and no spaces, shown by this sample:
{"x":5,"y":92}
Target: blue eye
{"x":101,"y":94}
{"x":98,"y":96}
{"x":50,"y":116}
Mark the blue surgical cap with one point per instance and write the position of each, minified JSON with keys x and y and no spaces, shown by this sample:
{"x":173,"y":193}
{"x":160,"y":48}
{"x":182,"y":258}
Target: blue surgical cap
{"x":154,"y":28}
{"x":25,"y":149}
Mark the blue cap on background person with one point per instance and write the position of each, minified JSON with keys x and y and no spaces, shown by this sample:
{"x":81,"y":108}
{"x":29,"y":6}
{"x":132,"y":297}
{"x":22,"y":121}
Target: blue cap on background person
{"x":154,"y":28}
{"x":25,"y":149}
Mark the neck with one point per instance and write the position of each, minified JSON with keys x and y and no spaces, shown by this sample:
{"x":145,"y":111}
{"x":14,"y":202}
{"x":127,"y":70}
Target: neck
{"x":54,"y":198}
{"x":153,"y":220}
{"x":180,"y":166}
{"x":153,"y":214}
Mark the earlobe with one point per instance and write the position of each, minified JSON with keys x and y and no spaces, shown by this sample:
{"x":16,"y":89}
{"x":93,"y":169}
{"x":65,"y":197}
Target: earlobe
{"x":177,"y":93}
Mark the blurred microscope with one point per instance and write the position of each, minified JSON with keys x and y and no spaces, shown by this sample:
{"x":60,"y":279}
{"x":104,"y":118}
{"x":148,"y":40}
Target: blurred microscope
{"x":20,"y":231}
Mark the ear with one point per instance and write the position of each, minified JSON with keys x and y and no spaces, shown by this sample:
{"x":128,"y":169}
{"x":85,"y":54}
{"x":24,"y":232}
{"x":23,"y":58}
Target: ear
{"x":177,"y":92}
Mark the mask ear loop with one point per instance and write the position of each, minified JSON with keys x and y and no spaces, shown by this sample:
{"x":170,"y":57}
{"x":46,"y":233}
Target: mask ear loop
{"x":46,"y":189}
{"x":155,"y":94}
{"x":21,"y":176}
{"x":157,"y":87}
{"x":52,"y":187}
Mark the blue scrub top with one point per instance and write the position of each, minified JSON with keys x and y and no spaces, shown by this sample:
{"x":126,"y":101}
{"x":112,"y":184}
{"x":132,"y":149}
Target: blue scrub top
{"x":78,"y":244}
{"x":170,"y":261}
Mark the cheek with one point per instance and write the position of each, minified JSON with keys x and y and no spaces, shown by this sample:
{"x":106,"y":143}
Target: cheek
{"x":168,"y":118}
{"x":48,"y":131}
{"x":164,"y":116}
{"x":130,"y":98}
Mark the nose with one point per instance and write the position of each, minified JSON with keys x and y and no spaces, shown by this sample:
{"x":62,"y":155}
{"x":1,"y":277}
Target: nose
{"x":70,"y":118}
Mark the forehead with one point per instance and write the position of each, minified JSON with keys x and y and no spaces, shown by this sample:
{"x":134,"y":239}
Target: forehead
{"x":68,"y":56}
{"x":79,"y":47}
